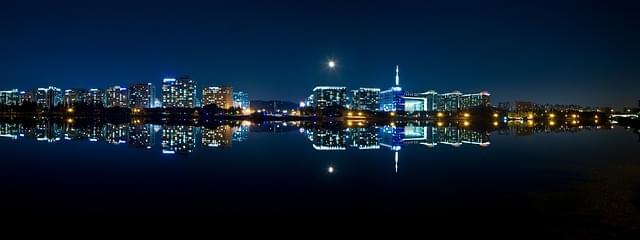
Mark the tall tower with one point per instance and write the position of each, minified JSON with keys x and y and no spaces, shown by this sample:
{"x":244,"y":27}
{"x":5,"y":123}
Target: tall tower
{"x":397,"y":75}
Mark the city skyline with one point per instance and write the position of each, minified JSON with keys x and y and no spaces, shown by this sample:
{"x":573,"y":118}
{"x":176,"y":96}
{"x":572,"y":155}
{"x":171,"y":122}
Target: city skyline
{"x":352,"y":97}
{"x":518,"y":51}
{"x":509,"y":117}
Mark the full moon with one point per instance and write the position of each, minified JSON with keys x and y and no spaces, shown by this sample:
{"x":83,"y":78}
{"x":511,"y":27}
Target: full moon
{"x":332,"y":64}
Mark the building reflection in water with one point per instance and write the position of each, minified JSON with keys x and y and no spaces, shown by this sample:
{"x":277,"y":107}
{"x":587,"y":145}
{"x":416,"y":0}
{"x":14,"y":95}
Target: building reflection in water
{"x":9,"y":130}
{"x":94,"y":133}
{"x":141,"y":136}
{"x":241,"y":133}
{"x":183,"y":139}
{"x":224,"y":135}
{"x":48,"y":131}
{"x":363,"y":138}
{"x":178,"y":139}
{"x":394,"y":138}
{"x":327,"y":139}
{"x":220,"y":136}
{"x":391,"y":137}
{"x":116,"y":133}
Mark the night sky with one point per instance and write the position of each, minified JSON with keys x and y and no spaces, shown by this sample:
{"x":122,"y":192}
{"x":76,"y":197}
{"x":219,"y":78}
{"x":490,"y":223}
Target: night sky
{"x":582,"y":52}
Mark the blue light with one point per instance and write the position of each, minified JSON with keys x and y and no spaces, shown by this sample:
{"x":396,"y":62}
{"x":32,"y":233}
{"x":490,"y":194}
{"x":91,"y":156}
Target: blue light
{"x":168,"y":152}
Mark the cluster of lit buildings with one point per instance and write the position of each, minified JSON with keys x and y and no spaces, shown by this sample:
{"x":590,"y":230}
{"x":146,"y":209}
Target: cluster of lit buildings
{"x":176,"y":93}
{"x":394,"y":99}
{"x":527,"y":107}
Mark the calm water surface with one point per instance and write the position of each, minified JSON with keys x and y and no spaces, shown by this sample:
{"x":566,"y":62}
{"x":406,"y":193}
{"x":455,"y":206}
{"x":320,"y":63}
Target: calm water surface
{"x":548,"y":175}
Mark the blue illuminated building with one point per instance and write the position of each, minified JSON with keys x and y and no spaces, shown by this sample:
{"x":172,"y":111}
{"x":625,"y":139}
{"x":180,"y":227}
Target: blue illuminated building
{"x":241,"y":100}
{"x":392,"y":100}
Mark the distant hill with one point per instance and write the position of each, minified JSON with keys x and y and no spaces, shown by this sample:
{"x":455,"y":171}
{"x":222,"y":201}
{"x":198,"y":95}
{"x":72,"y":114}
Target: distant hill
{"x":273,"y":105}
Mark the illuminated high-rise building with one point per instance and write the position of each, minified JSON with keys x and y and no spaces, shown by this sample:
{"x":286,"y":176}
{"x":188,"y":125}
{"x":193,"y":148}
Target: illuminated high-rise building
{"x":117,"y":96}
{"x":365,"y":99}
{"x":481,"y":99}
{"x":219,"y":96}
{"x":179,"y":93}
{"x":308,"y":102}
{"x":142,"y":95}
{"x":94,"y":97}
{"x":328,"y":96}
{"x":421,"y":102}
{"x":27,"y":97}
{"x":73,"y":97}
{"x":10,"y":97}
{"x":449,"y":102}
{"x":431,"y":101}
{"x":48,"y":98}
{"x":240,"y":100}
{"x":392,"y":99}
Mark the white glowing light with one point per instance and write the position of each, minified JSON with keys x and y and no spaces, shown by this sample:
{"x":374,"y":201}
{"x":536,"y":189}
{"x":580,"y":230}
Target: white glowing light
{"x":332,"y":64}
{"x":397,"y":75}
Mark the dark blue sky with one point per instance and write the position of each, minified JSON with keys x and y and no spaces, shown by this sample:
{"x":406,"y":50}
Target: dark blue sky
{"x":583,"y":52}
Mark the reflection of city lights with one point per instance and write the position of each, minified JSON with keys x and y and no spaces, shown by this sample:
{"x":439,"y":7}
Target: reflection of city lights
{"x":350,"y":114}
{"x":552,"y":115}
{"x":70,"y":110}
{"x":359,"y":113}
{"x":440,"y":114}
{"x":70,"y":120}
{"x":574,"y":122}
{"x":466,"y":115}
{"x":440,"y":124}
{"x":466,"y":123}
{"x":552,"y":123}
